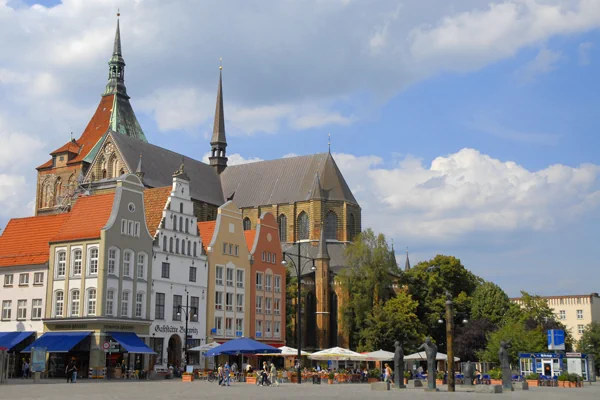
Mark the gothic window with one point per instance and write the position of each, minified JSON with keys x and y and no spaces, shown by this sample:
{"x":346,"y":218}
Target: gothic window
{"x":247,"y":224}
{"x":113,"y":166}
{"x":189,"y":253}
{"x":303,"y":228}
{"x":331,"y":225}
{"x":351,"y":227}
{"x":57,"y":191}
{"x":104,"y":174}
{"x":121,"y":172}
{"x":282,"y":228}
{"x":187,"y":225}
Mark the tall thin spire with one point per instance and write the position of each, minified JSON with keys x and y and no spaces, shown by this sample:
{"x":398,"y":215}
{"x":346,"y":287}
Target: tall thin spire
{"x":407,"y":263}
{"x":139,"y":170}
{"x":218,"y":142}
{"x":322,"y":253}
{"x":116,"y":67}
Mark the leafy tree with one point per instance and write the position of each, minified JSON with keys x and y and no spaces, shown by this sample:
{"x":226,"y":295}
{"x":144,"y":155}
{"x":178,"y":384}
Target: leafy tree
{"x":368,"y":278}
{"x":489,"y":302}
{"x":590,"y":342}
{"x":522,"y":340}
{"x":471,"y":338}
{"x":291,"y":295}
{"x":396,"y":319}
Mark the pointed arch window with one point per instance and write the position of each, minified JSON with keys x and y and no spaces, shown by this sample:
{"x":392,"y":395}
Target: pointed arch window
{"x":282,"y":223}
{"x":351,"y":227}
{"x":331,"y":222}
{"x":247,"y":224}
{"x":303,"y":228}
{"x":57,"y":191}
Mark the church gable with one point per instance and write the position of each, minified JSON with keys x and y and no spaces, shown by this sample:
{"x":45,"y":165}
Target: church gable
{"x":108,"y":164}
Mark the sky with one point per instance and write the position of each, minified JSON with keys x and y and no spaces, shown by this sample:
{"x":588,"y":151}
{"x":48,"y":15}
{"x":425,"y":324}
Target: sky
{"x":463,"y":127}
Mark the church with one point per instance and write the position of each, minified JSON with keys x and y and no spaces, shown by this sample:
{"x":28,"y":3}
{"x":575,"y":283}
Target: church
{"x":316,"y":212}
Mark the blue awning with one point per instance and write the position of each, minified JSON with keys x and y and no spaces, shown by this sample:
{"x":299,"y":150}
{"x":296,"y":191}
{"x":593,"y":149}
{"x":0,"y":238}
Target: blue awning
{"x":11,"y":339}
{"x":131,"y":342}
{"x":58,"y":342}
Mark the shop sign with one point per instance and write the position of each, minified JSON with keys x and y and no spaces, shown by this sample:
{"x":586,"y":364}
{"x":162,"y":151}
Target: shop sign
{"x":175,"y":329}
{"x":118,"y":327}
{"x":70,"y":326}
{"x":577,"y":355}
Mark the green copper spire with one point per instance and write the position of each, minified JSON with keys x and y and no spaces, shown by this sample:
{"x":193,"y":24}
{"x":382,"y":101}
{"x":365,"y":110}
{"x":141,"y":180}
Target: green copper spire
{"x":116,"y":68}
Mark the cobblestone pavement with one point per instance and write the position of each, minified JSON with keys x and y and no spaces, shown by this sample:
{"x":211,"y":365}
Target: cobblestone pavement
{"x":176,"y":390}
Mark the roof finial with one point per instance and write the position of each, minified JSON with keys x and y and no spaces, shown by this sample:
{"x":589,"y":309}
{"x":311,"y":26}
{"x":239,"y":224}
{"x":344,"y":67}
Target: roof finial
{"x":118,"y":13}
{"x":221,"y":64}
{"x":407,"y":263}
{"x":329,"y":141}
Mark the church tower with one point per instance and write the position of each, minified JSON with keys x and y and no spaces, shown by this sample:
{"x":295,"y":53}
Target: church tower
{"x":218,"y":143}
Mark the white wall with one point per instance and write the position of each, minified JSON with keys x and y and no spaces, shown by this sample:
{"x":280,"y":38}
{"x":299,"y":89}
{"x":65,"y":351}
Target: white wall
{"x":27,"y":292}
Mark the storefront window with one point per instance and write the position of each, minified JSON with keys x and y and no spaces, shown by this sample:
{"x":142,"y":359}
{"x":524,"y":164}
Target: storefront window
{"x":157,"y":346}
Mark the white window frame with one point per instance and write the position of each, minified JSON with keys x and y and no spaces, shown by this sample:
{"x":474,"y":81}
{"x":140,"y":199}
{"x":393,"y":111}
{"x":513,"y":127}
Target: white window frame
{"x":229,"y":282}
{"x":239,"y":274}
{"x":268,"y":282}
{"x":277,"y":306}
{"x":127,"y":271}
{"x":6,"y":310}
{"x":580,"y":329}
{"x":125,"y":304}
{"x":139,"y":305}
{"x":92,"y":301}
{"x":268,"y":305}
{"x":141,"y":266}
{"x":113,"y":262}
{"x":239,"y":302}
{"x":93,"y":262}
{"x":218,"y":300}
{"x":259,"y":282}
{"x":21,"y":309}
{"x":268,"y":331}
{"x":36,"y":309}
{"x":229,"y":331}
{"x":24,"y":279}
{"x":259,"y":304}
{"x":277,"y":283}
{"x":277,"y":329}
{"x":58,"y":302}
{"x":110,"y":302}
{"x":259,"y":325}
{"x":61,"y":265}
{"x":228,"y":304}
{"x":579,"y":314}
{"x":123,"y":226}
{"x":38,"y":278}
{"x":239,"y":323}
{"x":9,"y":279}
{"x":219,"y":326}
{"x":74,"y":260}
{"x":74,"y":308}
{"x":219,"y":271}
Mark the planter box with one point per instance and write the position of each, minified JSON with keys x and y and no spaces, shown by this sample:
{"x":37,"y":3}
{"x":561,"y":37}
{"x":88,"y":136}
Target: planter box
{"x":439,"y":381}
{"x":496,"y":381}
{"x":330,"y":381}
{"x":187,"y":378}
{"x":371,"y":380}
{"x":532,"y":382}
{"x":251,"y":380}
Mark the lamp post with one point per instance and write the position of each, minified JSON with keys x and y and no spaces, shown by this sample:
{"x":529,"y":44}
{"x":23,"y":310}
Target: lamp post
{"x":189,"y":311}
{"x":298,"y":268}
{"x":450,"y":339}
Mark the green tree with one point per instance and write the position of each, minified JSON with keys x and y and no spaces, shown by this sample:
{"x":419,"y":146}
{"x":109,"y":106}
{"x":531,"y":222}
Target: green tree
{"x":471,"y":338}
{"x":368,"y":278}
{"x":396,"y":319}
{"x":590,"y":342}
{"x":489,"y":302}
{"x":522,"y":340}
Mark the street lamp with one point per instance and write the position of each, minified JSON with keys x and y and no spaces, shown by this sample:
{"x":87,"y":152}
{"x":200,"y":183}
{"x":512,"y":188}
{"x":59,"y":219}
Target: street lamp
{"x":189,"y":312}
{"x":450,"y":338}
{"x":298,"y":268}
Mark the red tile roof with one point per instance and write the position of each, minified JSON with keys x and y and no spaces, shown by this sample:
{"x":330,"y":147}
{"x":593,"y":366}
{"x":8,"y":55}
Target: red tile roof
{"x":250,"y":235}
{"x":87,"y":218}
{"x":206,"y":230}
{"x":71,"y":147}
{"x":154,"y":204}
{"x":25,"y":240}
{"x":97,"y":127}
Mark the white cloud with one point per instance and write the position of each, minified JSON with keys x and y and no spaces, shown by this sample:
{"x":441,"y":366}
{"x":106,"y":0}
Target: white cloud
{"x":468,"y":192}
{"x":583,"y":53}
{"x":234,"y":159}
{"x":545,"y":61}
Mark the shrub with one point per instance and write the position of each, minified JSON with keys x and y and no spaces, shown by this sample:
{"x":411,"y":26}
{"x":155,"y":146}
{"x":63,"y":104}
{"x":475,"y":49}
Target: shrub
{"x":331,"y":375}
{"x":374,"y":373}
{"x":439,"y":375}
{"x":495,"y":373}
{"x":573,"y":377}
{"x":532,"y":376}
{"x":563,"y":377}
{"x":407,"y":374}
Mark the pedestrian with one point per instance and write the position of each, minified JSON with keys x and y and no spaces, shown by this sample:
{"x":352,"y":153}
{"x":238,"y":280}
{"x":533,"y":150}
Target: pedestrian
{"x":226,"y":372}
{"x":73,"y":372}
{"x":68,"y":372}
{"x":274,"y":381}
{"x":220,"y":374}
{"x":24,"y":369}
{"x":387,"y":376}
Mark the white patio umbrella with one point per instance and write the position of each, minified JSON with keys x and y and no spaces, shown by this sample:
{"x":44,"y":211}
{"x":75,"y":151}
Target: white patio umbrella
{"x":379,"y":355}
{"x":287,"y":352}
{"x":205,"y":347}
{"x":422,"y":356}
{"x":337,"y":353}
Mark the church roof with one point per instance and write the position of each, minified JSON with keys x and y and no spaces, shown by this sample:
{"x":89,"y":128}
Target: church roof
{"x":159,"y":164}
{"x":285,"y":180}
{"x":155,"y":201}
{"x":87,"y":218}
{"x":25,"y":240}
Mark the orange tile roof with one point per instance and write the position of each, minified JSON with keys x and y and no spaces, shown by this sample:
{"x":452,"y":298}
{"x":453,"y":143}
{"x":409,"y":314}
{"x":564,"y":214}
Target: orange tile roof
{"x":87,"y":218}
{"x":250,"y":235}
{"x":97,"y":127}
{"x":154,"y":204}
{"x":71,"y":147}
{"x":25,"y":240}
{"x":206,"y":232}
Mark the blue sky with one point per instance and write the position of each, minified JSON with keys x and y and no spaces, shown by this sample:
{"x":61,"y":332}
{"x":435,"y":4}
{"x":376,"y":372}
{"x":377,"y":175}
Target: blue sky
{"x":463,"y":128}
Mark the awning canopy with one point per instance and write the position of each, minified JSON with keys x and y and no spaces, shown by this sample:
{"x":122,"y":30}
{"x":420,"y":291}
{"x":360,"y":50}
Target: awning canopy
{"x":379,"y":355}
{"x":205,"y":347}
{"x":131,"y":342}
{"x":242,"y":346}
{"x":9,"y":340}
{"x":58,"y":342}
{"x":287,"y":352}
{"x":422,"y":356}
{"x":337,"y":353}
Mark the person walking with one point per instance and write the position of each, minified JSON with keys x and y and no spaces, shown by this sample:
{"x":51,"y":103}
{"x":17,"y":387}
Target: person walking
{"x":220,"y":374}
{"x":69,"y":372}
{"x":274,"y":381}
{"x":387,"y":376}
{"x":226,"y":372}
{"x":73,"y":372}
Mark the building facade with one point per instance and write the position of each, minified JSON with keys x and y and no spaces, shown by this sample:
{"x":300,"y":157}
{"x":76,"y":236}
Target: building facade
{"x":575,"y":311}
{"x":180,"y":274}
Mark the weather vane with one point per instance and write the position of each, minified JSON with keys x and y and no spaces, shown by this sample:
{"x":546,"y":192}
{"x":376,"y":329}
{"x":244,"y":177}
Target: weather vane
{"x":118,"y":12}
{"x":221,"y":63}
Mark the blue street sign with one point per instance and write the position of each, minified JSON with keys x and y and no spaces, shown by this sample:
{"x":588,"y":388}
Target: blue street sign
{"x":556,"y":339}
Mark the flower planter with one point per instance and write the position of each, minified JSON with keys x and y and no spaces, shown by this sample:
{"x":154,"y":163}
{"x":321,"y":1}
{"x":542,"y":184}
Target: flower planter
{"x":532,"y":382}
{"x":330,"y":381}
{"x":187,"y":378}
{"x":496,"y":381}
{"x":406,"y":381}
{"x":371,"y":380}
{"x":439,"y":381}
{"x":251,"y":380}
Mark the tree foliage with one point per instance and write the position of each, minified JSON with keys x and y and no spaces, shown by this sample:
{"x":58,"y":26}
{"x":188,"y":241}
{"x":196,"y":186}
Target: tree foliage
{"x":590,"y":342}
{"x":522,"y":340}
{"x":490,"y":302}
{"x":471,"y":338}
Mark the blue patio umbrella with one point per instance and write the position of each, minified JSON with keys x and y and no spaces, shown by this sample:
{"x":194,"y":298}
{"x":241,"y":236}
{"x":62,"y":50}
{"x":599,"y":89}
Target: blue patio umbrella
{"x":242,"y":346}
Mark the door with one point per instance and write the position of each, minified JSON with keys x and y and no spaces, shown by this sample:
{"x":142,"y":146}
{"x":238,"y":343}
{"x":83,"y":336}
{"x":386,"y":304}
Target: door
{"x":547,"y":364}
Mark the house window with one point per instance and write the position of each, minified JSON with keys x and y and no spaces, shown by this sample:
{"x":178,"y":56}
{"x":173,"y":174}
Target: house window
{"x":22,"y":309}
{"x":195,"y":250}
{"x":8,"y":280}
{"x":76,"y":263}
{"x":267,"y":328}
{"x":277,"y":332}
{"x":259,"y":281}
{"x":303,"y":229}
{"x":177,"y":302}
{"x":193,"y":272}
{"x":259,"y":328}
{"x":268,"y":301}
{"x":195,"y":303}
{"x":93,"y":261}
{"x":159,"y":308}
{"x":181,"y":223}
{"x":110,"y":301}
{"x":189,"y":246}
{"x":239,"y":298}
{"x":282,"y":223}
{"x":6,"y":309}
{"x":229,"y":327}
{"x":247,"y":224}
{"x":230,"y":277}
{"x":219,"y":325}
{"x":224,"y":248}
{"x":239,"y":327}
{"x":112,"y":261}
{"x":273,"y":258}
{"x":139,"y":303}
{"x":259,"y":300}
{"x":23,"y":279}
{"x":127,"y":258}
{"x":229,"y":301}
{"x":141,"y":266}
{"x":240,"y":278}
{"x":579,"y":314}
{"x":74,"y":303}
{"x":59,"y":299}
{"x":170,"y":245}
{"x":61,"y":264}
{"x":219,"y":276}
{"x":276,"y":307}
{"x":36,"y":309}
{"x":123,"y":227}
{"x":218,"y":300}
{"x":125,"y":304}
{"x":176,"y":246}
{"x":166,"y":270}
{"x":237,"y":249}
{"x":230,"y":249}
{"x":268,"y":279}
{"x":137,"y":229}
{"x":130,"y":228}
{"x":580,"y":329}
{"x":277,"y":284}
{"x":164,"y":243}
{"x":91,"y":301}
{"x":187,"y":225}
{"x":562,"y":314}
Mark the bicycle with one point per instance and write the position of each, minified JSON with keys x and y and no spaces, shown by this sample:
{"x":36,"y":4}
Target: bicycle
{"x":211,"y":377}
